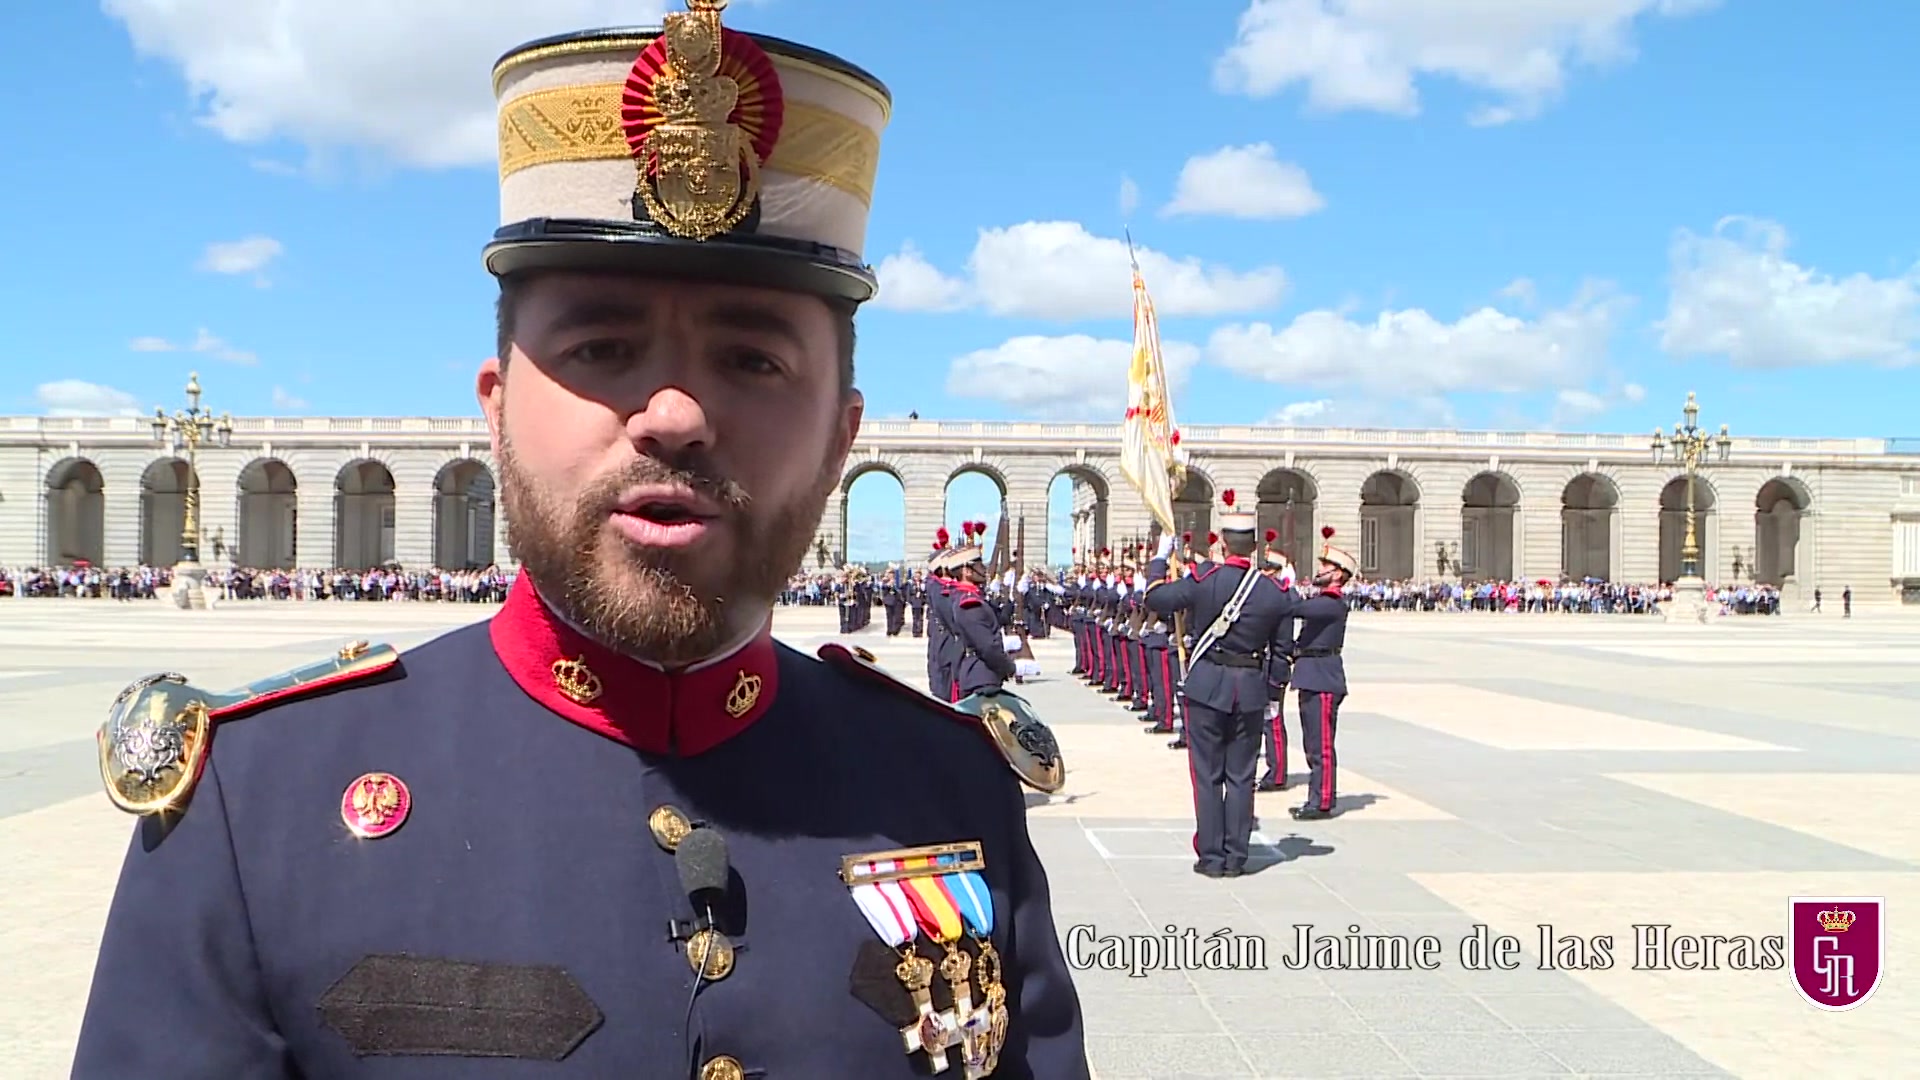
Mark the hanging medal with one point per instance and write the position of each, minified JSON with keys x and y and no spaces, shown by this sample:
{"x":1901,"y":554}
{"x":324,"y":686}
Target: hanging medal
{"x":985,"y":1029}
{"x":890,"y":912}
{"x":940,"y":919}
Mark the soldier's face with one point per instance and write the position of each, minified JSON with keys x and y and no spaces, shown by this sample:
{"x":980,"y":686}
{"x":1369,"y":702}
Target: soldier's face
{"x":666,"y":450}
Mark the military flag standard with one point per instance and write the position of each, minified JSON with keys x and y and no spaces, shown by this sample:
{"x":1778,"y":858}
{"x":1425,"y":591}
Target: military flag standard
{"x":1150,"y":453}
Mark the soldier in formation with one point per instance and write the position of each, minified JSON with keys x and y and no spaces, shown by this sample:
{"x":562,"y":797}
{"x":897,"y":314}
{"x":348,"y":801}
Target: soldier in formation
{"x":1246,"y":616}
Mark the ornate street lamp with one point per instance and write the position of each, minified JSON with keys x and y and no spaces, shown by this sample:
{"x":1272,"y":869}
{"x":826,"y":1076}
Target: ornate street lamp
{"x":189,"y":428}
{"x":1691,"y":446}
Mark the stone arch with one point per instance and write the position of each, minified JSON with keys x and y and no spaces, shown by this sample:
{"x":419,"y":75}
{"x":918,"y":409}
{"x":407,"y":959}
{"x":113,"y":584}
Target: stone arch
{"x":879,"y":535}
{"x":1284,"y":501}
{"x":1489,"y":526}
{"x":1193,"y":505}
{"x":1779,"y":507}
{"x":1084,"y":505}
{"x":979,"y":505}
{"x":1589,"y":527}
{"x":166,"y":485}
{"x":465,"y":500}
{"x":76,"y":513}
{"x":1675,"y":562}
{"x":363,"y":514}
{"x":267,"y":515}
{"x":1389,"y":525}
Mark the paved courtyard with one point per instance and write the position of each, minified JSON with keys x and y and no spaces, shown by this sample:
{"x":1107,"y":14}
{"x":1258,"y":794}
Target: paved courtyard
{"x":1506,"y":771}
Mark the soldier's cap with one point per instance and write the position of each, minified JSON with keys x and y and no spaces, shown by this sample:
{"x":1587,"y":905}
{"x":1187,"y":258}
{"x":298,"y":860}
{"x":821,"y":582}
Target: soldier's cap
{"x":964,"y":555}
{"x":689,"y":150}
{"x":1234,"y":520}
{"x":1341,"y":558}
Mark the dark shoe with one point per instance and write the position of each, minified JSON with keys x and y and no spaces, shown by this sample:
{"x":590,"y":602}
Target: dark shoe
{"x":1233,"y":872}
{"x":1204,"y":870}
{"x":1310,"y":813}
{"x":1159,"y":729}
{"x":1270,"y":785}
{"x":1178,"y":744}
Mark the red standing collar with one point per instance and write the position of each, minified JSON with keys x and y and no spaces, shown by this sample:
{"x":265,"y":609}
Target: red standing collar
{"x":967,"y":586}
{"x":1240,"y":561}
{"x":651,"y":710}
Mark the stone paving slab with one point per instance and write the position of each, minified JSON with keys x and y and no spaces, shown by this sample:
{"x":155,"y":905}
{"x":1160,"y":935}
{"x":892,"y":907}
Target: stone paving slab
{"x":1555,"y":775}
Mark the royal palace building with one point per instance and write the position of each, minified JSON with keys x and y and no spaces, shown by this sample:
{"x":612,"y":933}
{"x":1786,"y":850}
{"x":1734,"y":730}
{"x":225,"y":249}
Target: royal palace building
{"x":352,"y":492}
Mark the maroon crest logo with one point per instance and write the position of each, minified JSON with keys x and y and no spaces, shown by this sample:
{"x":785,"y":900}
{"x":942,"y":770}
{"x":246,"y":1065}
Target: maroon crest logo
{"x":1838,"y":945}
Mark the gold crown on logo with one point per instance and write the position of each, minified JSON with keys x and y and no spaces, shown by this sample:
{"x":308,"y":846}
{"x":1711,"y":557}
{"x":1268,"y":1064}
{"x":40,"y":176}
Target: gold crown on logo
{"x":576,"y":680}
{"x":746,"y":691}
{"x":1834,"y":921}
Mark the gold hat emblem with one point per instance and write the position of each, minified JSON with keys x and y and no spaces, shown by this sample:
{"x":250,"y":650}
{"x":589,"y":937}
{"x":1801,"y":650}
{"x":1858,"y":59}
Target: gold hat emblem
{"x":703,"y":112}
{"x":576,"y":680}
{"x":745,"y":692}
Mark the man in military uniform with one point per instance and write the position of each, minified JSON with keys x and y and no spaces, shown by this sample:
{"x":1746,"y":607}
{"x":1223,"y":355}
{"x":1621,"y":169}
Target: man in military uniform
{"x":1245,"y":616}
{"x":893,"y":599}
{"x":1321,"y":676}
{"x":1279,"y":674}
{"x":917,"y":603}
{"x":981,"y":663}
{"x":528,"y":847}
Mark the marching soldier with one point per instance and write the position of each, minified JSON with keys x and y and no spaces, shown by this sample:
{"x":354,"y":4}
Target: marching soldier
{"x":982,"y":664}
{"x":917,"y":603}
{"x":461,"y":866}
{"x":1279,"y":674}
{"x":894,"y":601}
{"x":939,"y":627}
{"x":1321,"y":676}
{"x":1245,"y":615}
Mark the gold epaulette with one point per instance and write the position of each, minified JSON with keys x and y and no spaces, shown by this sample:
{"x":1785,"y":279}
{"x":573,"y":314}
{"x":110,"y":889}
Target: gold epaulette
{"x":1027,"y":745}
{"x":159,"y":730}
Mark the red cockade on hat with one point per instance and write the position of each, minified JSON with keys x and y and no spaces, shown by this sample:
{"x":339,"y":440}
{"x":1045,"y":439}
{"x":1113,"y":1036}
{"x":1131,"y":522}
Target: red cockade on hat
{"x":1227,"y":496}
{"x":1326,"y":532}
{"x":1186,"y":537}
{"x":627,"y":700}
{"x":692,"y":103}
{"x":1213,"y":538}
{"x":1272,"y":535}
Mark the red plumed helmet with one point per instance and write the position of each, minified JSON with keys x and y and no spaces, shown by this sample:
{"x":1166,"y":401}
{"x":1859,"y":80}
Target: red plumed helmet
{"x":1272,"y":535}
{"x":1326,"y":532}
{"x":1227,"y":496}
{"x":942,"y":536}
{"x":1212,"y":539}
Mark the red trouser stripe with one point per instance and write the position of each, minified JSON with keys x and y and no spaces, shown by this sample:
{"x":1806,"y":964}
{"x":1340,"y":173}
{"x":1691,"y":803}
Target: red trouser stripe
{"x":1326,"y":751}
{"x":1166,"y":690}
{"x":1279,"y":725}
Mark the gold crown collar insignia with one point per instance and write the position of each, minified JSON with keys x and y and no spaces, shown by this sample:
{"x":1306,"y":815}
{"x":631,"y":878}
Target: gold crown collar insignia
{"x":576,"y":680}
{"x":745,"y":692}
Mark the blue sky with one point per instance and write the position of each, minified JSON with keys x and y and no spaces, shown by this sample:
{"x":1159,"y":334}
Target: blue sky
{"x":1499,"y":214}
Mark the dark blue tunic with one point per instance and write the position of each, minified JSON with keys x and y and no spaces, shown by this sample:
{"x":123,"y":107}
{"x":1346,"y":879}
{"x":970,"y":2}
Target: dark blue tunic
{"x":527,"y":846}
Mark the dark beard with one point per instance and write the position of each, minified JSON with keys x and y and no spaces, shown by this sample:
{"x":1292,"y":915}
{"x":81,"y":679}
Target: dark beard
{"x":640,"y":601}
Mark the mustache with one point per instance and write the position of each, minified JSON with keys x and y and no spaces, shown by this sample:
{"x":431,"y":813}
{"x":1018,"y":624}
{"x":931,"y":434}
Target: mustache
{"x":687,"y":471}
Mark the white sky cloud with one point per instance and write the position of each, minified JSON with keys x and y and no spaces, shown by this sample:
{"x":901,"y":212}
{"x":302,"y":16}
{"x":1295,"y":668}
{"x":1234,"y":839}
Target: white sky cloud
{"x":1059,"y":270}
{"x":204,"y":342}
{"x":1369,"y":54}
{"x":405,"y":80}
{"x":1427,"y":411}
{"x":286,"y":402}
{"x":1734,"y":293}
{"x":1244,"y":182}
{"x":248,"y":255}
{"x":74,"y":397}
{"x":1071,"y":377}
{"x":1129,"y":197}
{"x":1411,"y":354}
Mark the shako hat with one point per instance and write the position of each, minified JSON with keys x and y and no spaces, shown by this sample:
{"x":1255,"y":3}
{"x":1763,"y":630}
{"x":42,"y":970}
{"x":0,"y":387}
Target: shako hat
{"x":689,"y":150}
{"x":1334,"y":556}
{"x":969,"y":550}
{"x":1232,"y":519}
